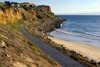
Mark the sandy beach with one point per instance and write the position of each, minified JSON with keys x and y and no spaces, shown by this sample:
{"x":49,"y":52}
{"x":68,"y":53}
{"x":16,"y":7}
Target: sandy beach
{"x":86,"y":50}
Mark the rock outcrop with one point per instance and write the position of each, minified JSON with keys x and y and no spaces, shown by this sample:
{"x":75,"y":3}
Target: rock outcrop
{"x":48,"y":8}
{"x":42,"y":28}
{"x":10,"y":15}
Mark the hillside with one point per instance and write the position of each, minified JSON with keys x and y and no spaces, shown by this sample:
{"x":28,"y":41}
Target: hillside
{"x":15,"y":50}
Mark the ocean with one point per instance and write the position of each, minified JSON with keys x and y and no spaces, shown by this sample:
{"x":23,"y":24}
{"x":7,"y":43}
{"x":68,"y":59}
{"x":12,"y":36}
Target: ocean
{"x":80,"y":28}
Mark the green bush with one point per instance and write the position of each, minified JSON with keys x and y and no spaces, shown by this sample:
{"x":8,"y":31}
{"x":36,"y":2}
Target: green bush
{"x":5,"y":6}
{"x":24,"y":6}
{"x":43,"y":20}
{"x":40,"y":16}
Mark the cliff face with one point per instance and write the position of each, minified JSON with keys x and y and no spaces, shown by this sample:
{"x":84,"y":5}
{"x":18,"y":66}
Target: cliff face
{"x":33,"y":12}
{"x":48,"y":8}
{"x":12,"y":15}
{"x":9,"y":14}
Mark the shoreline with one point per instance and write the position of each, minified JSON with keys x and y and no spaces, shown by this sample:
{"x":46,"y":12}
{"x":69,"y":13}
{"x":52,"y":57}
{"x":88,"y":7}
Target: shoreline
{"x":92,"y":53}
{"x":71,"y":53}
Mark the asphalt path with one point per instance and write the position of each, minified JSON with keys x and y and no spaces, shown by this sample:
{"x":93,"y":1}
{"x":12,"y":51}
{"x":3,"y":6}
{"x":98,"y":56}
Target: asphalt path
{"x":56,"y":55}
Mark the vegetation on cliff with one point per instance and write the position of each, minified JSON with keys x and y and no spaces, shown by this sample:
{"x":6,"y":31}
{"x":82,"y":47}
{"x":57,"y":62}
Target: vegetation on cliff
{"x":15,"y":50}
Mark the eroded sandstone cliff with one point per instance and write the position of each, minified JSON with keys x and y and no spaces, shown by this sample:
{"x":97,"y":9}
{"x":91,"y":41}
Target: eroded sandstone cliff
{"x":10,"y":15}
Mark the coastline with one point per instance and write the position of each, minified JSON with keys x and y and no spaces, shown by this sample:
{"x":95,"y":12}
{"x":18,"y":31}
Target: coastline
{"x":44,"y":34}
{"x":92,"y":53}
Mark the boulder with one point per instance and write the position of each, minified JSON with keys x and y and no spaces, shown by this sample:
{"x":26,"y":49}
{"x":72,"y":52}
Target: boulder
{"x":3,"y":44}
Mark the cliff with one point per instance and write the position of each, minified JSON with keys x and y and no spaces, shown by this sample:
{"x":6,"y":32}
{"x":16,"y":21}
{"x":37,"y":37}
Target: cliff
{"x":48,"y":8}
{"x":15,"y":50}
{"x":10,"y":15}
{"x":49,"y":21}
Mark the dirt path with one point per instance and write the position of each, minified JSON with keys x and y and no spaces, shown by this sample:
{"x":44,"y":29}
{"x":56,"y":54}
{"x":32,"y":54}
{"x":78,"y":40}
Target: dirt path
{"x":59,"y":57}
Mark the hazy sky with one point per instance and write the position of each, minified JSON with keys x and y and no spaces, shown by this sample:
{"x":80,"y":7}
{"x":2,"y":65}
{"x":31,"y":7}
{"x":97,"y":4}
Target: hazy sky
{"x":69,"y":6}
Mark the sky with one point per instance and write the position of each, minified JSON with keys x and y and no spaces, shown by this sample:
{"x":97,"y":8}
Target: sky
{"x":68,"y":7}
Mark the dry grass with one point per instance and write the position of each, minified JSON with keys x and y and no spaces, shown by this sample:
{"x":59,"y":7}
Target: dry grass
{"x":17,"y":48}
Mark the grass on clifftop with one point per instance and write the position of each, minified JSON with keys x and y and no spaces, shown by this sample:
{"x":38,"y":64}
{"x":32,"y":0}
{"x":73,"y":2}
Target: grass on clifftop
{"x":44,"y":14}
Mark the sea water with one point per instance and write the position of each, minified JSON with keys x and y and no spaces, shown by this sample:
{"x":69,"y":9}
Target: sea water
{"x":80,"y":28}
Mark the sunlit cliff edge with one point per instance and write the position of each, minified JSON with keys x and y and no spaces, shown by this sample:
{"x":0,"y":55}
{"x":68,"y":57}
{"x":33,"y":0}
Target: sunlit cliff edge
{"x":12,"y":15}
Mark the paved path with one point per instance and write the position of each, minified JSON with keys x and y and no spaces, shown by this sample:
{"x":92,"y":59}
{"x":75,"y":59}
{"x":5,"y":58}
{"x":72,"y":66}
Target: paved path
{"x":59,"y":57}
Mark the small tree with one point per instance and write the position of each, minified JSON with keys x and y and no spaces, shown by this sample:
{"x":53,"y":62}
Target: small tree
{"x":24,"y":6}
{"x":40,"y":16}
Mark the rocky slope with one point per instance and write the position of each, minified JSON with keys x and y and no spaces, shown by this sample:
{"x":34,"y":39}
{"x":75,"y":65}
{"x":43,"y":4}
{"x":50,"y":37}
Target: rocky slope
{"x":42,"y":28}
{"x":49,"y":21}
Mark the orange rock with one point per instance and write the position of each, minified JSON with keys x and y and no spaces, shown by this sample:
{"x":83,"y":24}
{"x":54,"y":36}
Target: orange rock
{"x":48,"y":8}
{"x":9,"y":14}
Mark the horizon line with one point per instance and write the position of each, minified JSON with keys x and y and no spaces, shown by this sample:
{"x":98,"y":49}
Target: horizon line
{"x":72,"y":14}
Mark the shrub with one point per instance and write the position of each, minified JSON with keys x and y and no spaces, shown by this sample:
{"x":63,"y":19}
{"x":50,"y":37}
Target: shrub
{"x":43,"y":20}
{"x":24,"y":6}
{"x":40,"y":16}
{"x":5,"y":6}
